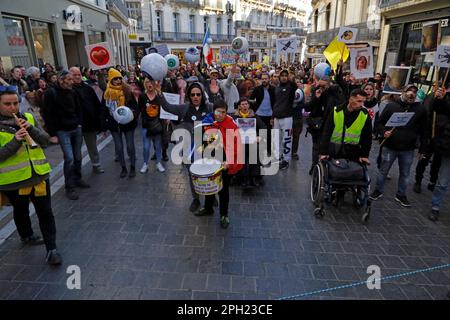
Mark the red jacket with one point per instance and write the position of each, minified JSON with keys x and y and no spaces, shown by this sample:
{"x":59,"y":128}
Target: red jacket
{"x":232,"y":143}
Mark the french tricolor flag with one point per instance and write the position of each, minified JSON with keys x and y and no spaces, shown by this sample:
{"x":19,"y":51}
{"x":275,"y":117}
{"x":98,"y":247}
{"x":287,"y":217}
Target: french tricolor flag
{"x":207,"y":50}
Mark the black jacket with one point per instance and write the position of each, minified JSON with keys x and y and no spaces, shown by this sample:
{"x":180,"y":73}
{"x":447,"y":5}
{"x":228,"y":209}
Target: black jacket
{"x":258,"y":95}
{"x":351,"y":152}
{"x":144,"y":102}
{"x":441,"y":141}
{"x":284,"y":100}
{"x":62,"y":110}
{"x":112,"y":125}
{"x":405,"y":138}
{"x":92,"y":108}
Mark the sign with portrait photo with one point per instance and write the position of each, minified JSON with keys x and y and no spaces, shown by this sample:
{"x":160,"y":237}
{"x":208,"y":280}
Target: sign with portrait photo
{"x":361,"y":65}
{"x":347,"y":35}
{"x":396,"y":79}
{"x":430,"y":33}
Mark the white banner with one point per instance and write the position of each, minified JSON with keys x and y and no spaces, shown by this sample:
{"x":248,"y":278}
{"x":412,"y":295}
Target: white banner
{"x":171,"y":98}
{"x":287,"y":45}
{"x":442,"y":57}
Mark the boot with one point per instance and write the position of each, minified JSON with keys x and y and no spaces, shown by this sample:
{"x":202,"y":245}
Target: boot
{"x":124,"y":172}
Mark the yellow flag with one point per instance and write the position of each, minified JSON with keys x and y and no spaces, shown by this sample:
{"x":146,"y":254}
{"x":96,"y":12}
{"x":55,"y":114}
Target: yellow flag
{"x":266,"y":60}
{"x":335,"y":52}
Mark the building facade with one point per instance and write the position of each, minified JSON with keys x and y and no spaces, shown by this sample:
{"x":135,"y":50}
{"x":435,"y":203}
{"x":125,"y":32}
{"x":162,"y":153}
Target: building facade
{"x":182,"y":24}
{"x":262,"y":22}
{"x":56,"y":31}
{"x":328,"y":16}
{"x":139,"y":17}
{"x":411,"y":31}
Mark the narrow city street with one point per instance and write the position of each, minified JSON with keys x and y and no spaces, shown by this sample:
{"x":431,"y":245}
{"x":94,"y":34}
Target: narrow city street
{"x":136,"y":239}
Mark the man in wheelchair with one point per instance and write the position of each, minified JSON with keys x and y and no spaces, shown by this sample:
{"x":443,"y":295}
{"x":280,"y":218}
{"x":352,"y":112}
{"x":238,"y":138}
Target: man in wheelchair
{"x":344,"y":152}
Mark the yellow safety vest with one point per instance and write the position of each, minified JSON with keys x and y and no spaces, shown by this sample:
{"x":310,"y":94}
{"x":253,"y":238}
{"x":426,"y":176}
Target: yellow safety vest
{"x":18,"y":167}
{"x":352,"y":135}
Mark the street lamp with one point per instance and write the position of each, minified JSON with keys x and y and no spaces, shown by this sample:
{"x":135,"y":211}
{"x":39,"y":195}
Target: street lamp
{"x":229,"y":8}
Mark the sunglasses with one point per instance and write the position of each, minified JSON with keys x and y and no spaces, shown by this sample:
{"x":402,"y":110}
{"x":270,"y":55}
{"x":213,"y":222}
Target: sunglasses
{"x":196,"y":94}
{"x":115,"y":79}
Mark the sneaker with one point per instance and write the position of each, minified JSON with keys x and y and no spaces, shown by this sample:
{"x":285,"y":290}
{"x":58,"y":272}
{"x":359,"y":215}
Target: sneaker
{"x":295,"y":157}
{"x":284,"y":165}
{"x":403,"y":201}
{"x":434,"y":215}
{"x":53,"y":258}
{"x":160,"y":167}
{"x":224,"y":222}
{"x":431,"y":186}
{"x":144,"y":168}
{"x":72,"y":194}
{"x":124,"y":172}
{"x":376,"y":195}
{"x":82,"y":184}
{"x":132,"y":173}
{"x":32,"y":240}
{"x":98,"y":169}
{"x":194,"y":205}
{"x":204,"y":212}
{"x":417,"y":188}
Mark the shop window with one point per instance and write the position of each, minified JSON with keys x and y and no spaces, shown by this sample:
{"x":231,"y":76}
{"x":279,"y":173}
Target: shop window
{"x":96,"y":37}
{"x":18,"y":45}
{"x":43,"y":43}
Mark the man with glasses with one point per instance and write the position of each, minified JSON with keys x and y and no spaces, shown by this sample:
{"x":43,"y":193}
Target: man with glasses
{"x":63,"y":118}
{"x":400,"y":142}
{"x":24,"y":173}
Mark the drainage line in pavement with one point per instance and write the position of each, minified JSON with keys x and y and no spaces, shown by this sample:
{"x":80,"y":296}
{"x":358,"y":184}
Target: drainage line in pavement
{"x":366,"y":282}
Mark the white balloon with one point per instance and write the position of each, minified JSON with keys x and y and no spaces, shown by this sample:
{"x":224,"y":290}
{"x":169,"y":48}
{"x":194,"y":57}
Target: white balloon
{"x":322,"y":71}
{"x":154,"y":65}
{"x":299,"y":96}
{"x":239,"y":45}
{"x":123,"y":115}
{"x":172,"y":61}
{"x":192,"y":55}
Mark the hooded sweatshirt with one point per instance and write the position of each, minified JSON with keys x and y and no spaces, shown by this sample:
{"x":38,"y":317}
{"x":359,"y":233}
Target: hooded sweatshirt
{"x":284,"y":99}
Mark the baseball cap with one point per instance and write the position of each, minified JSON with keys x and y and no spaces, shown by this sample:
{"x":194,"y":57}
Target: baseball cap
{"x":410,"y":87}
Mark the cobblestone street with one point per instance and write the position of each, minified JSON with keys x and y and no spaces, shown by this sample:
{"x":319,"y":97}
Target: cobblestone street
{"x":136,"y":239}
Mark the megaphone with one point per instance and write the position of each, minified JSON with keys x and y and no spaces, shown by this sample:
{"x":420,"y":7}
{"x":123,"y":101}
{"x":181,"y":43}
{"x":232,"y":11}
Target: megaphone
{"x":192,"y":55}
{"x":123,"y":115}
{"x":155,"y":66}
{"x":239,"y":45}
{"x":172,"y":61}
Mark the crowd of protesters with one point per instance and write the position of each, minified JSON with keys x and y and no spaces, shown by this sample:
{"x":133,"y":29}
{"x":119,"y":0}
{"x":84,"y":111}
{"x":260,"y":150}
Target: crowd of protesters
{"x":74,"y":105}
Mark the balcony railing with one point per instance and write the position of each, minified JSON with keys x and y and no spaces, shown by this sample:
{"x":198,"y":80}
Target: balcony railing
{"x":196,"y":38}
{"x":242,"y":24}
{"x":257,"y":44}
{"x":218,"y":4}
{"x":388,"y":3}
{"x":325,"y":37}
{"x":190,"y":3}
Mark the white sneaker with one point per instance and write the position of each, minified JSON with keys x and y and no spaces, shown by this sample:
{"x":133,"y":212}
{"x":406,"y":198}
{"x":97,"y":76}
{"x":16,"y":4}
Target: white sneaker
{"x":160,"y":167}
{"x":144,"y":168}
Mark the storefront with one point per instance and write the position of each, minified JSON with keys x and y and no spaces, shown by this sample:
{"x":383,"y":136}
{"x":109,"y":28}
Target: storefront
{"x":56,"y":33}
{"x":412,"y":42}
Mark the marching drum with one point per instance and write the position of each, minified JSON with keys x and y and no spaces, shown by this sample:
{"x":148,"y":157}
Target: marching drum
{"x":206,"y":176}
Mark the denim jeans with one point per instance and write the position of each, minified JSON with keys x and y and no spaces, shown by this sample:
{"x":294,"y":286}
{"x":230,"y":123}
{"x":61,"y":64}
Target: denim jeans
{"x":118,"y":143}
{"x":70,"y":142}
{"x":90,"y":139}
{"x":442,"y":183}
{"x":405,"y":160}
{"x":147,"y":143}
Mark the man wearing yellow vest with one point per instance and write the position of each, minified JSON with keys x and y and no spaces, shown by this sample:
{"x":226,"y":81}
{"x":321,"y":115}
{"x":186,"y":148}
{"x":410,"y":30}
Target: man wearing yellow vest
{"x":24,"y":173}
{"x":348,"y":131}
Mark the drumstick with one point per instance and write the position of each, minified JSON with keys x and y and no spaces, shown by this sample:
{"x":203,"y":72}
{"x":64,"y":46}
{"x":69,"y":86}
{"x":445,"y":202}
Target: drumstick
{"x":29,"y":140}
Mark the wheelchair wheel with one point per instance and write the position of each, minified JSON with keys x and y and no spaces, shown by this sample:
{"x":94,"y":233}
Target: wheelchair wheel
{"x":319,"y":213}
{"x":366,"y":215}
{"x":317,"y":185}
